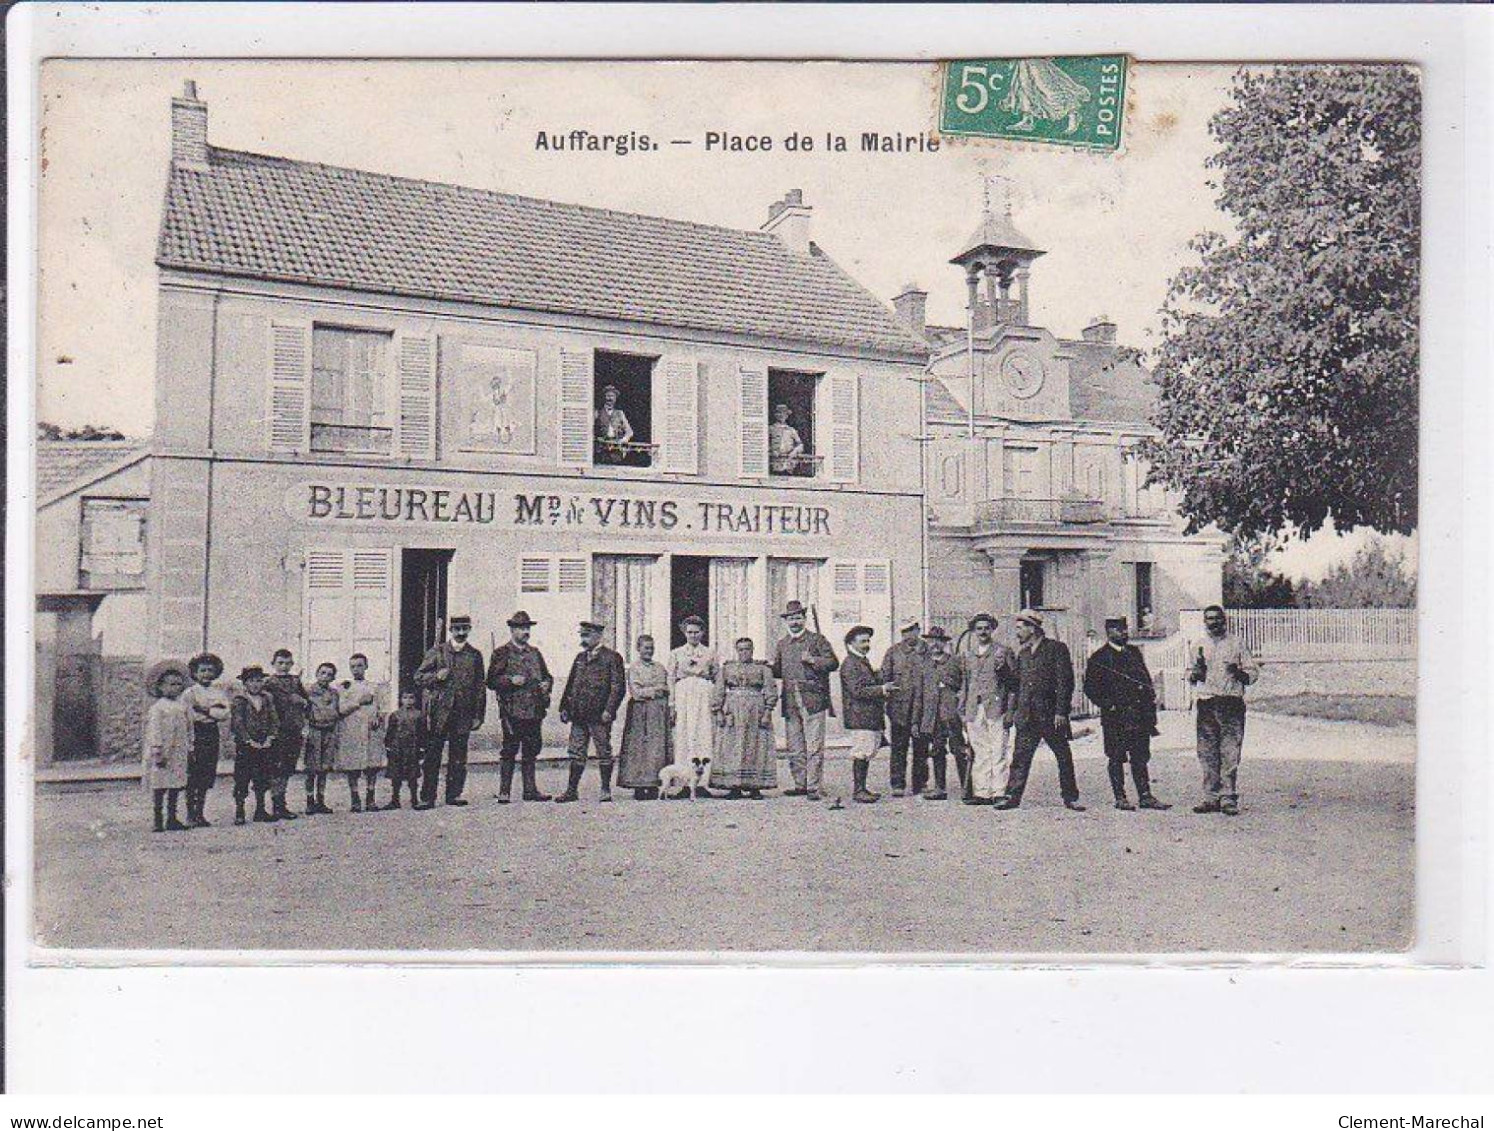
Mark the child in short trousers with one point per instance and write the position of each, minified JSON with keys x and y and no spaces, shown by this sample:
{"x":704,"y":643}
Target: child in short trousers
{"x":405,"y":741}
{"x":168,"y":741}
{"x":325,"y":712}
{"x":208,"y":705}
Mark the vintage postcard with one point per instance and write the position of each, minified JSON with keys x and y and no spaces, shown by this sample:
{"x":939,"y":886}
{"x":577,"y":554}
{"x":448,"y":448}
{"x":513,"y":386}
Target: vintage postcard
{"x":724,"y":509}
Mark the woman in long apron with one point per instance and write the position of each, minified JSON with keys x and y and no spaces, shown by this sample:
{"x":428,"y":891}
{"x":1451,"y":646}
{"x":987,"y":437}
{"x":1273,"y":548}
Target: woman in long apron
{"x":692,"y":682}
{"x":745,"y":757}
{"x":646,"y":745}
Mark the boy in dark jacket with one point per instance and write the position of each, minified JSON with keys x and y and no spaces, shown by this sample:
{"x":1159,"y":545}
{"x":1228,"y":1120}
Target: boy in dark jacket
{"x":405,"y":738}
{"x":291,"y":707}
{"x":254,"y":724}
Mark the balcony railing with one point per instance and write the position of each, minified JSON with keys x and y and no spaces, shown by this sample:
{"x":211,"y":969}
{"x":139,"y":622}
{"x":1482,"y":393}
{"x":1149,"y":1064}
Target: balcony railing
{"x":1049,"y":512}
{"x":801,"y":466}
{"x":610,"y":453}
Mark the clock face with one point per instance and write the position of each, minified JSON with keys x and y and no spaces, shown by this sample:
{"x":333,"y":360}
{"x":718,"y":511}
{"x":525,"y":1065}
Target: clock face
{"x":1022,"y":372}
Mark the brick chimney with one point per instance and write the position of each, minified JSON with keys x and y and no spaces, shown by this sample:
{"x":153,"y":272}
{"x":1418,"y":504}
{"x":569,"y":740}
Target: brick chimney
{"x":789,"y":220}
{"x":911,"y":306}
{"x":189,"y":129}
{"x":1100,"y":330}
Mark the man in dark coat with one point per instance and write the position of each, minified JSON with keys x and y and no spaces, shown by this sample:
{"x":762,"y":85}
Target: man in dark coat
{"x":803,"y":660}
{"x":863,"y":699}
{"x":456,"y":702}
{"x":1117,"y":681}
{"x":593,"y":692}
{"x":936,"y":723}
{"x":518,"y":676}
{"x":1045,"y":695}
{"x":902,"y":666}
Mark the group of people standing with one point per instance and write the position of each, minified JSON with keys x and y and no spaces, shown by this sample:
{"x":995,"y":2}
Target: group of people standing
{"x":694,"y":724}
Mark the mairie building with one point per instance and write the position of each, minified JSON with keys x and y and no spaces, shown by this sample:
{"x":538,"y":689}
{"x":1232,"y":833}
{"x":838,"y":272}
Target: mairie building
{"x":1036,"y":496}
{"x":381,"y":401}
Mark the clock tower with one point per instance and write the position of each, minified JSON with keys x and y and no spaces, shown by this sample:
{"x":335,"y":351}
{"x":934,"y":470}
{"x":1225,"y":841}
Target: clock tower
{"x":1019,"y":370}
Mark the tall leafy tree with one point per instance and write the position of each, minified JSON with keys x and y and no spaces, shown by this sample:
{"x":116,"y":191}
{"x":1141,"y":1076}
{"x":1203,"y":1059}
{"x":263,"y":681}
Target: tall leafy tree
{"x":1288,"y":367}
{"x":1249,"y":583}
{"x":1375,"y":578}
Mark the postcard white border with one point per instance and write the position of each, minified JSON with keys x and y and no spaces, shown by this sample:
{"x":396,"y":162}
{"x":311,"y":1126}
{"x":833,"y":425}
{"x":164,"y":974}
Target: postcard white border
{"x":1360,"y":1025}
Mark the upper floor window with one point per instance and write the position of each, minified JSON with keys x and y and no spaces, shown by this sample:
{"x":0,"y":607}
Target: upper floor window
{"x":623,"y":410}
{"x":1019,"y":468}
{"x":113,"y":544}
{"x":351,"y":403}
{"x":792,"y":441}
{"x":804,"y":425}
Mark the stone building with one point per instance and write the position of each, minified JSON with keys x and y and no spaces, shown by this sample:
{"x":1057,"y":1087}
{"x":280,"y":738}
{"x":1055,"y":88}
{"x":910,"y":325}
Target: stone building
{"x":380,"y":400}
{"x":1035,"y":497}
{"x":92,"y":524}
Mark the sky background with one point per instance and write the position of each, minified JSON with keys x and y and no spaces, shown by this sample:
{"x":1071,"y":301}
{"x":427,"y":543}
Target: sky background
{"x":1116,"y":227}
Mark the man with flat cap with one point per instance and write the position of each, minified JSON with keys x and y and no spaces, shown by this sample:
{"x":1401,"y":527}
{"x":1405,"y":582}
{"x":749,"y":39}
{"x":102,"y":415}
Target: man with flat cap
{"x":1117,"y":681}
{"x":456,"y":703}
{"x":803,"y":660}
{"x":902,"y":667}
{"x":518,"y":676}
{"x":593,"y":692}
{"x":985,"y":675}
{"x":1045,"y":696}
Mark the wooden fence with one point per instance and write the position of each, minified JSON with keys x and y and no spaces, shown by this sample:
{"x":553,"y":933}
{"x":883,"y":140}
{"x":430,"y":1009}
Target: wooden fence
{"x":1327,"y":634}
{"x":1273,"y":635}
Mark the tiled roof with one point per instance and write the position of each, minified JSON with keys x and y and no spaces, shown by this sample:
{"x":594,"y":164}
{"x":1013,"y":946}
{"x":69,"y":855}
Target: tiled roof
{"x":64,"y":463}
{"x":942,"y":402}
{"x":1107,"y":383}
{"x":274,"y":218}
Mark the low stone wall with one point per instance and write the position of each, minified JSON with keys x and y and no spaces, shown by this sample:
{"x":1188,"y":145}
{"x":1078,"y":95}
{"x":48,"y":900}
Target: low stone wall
{"x":1339,"y":677}
{"x":122,"y":706}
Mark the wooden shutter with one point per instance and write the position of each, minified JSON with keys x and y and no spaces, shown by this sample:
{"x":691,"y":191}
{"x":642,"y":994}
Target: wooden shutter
{"x":347,"y":608}
{"x":681,"y":414}
{"x":371,"y":576}
{"x":752,"y":416}
{"x":845,"y":427}
{"x":860,"y":592}
{"x":415,"y":377}
{"x":575,"y":408}
{"x":289,"y":411}
{"x":556,"y":591}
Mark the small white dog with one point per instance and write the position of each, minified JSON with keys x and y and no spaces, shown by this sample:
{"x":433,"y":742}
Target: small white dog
{"x":676,"y":782}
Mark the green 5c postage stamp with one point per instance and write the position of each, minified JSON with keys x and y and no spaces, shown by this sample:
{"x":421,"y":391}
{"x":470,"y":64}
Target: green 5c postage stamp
{"x":1070,"y":100}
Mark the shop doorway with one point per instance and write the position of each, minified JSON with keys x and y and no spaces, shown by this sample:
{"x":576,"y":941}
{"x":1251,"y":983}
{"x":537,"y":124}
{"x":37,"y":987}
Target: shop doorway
{"x":422,"y":607}
{"x":689,"y":595}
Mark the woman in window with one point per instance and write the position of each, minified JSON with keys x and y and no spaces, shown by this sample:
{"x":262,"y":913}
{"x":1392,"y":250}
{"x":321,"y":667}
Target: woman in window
{"x":745,"y":760}
{"x":613,"y":432}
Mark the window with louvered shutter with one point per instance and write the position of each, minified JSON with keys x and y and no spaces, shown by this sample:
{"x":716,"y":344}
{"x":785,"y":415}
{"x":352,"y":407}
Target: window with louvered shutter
{"x":752,"y":417}
{"x":347,"y":608}
{"x":415,"y":431}
{"x":845,"y":427}
{"x":556,"y":591}
{"x":860,"y":593}
{"x":575,"y":408}
{"x":681,"y":414}
{"x":288,"y":412}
